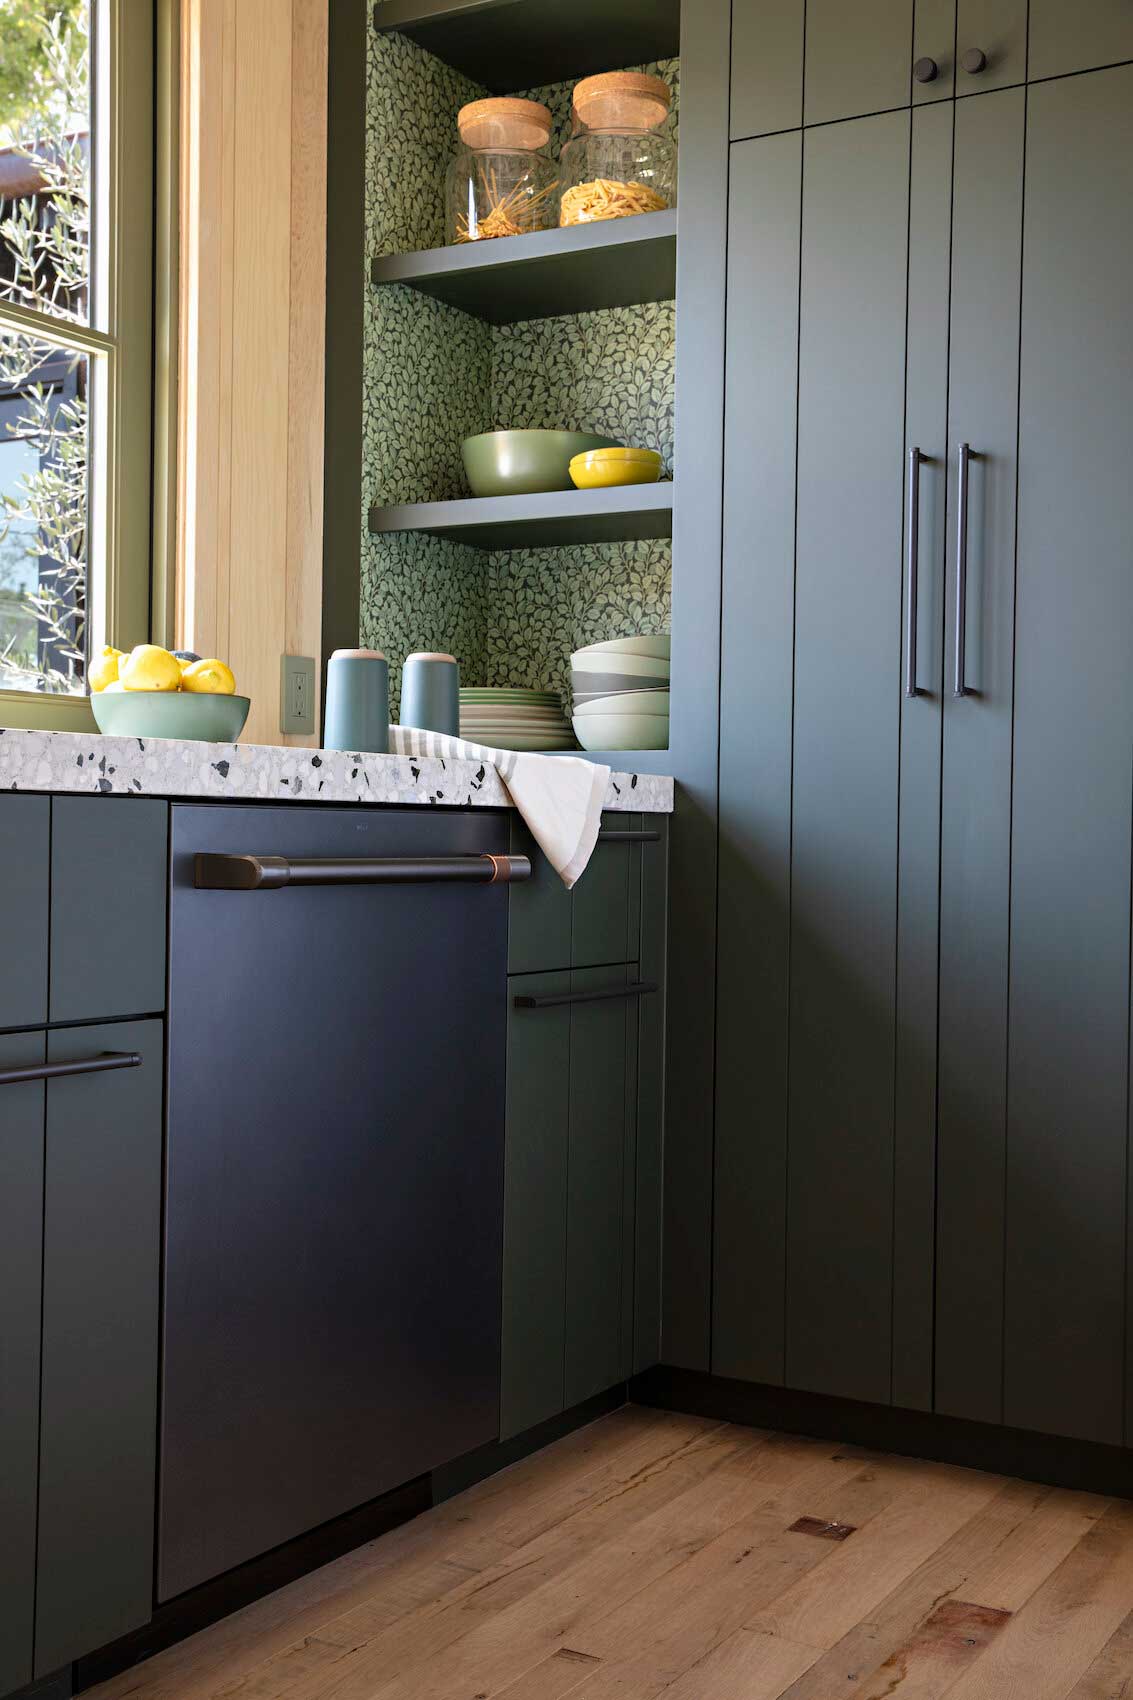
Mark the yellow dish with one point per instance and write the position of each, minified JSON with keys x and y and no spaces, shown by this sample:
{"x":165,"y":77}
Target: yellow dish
{"x":601,"y":469}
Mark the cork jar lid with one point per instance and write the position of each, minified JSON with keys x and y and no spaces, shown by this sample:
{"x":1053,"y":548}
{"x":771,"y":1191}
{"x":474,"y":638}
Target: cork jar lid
{"x":622,"y":100}
{"x":507,"y":122}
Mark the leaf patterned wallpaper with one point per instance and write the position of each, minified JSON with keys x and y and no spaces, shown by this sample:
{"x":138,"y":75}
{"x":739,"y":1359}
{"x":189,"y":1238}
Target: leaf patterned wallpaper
{"x":433,"y":375}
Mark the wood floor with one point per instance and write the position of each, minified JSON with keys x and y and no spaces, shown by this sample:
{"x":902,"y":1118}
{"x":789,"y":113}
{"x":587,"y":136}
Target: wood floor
{"x":653,"y":1554}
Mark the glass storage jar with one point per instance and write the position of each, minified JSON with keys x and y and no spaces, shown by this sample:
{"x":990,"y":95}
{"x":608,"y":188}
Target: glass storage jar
{"x":619,"y":159}
{"x":501,"y":183}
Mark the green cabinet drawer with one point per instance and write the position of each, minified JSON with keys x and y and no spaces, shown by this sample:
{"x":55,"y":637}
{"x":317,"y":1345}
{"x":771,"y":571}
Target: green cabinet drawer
{"x":21,"y":1256}
{"x":98,"y":1399}
{"x":600,"y":920}
{"x":582,"y":1199}
{"x":25,"y":859}
{"x":109,"y":860}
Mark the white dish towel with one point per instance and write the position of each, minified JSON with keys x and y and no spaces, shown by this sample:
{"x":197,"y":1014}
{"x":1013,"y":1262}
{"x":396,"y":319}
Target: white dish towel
{"x":559,"y":797}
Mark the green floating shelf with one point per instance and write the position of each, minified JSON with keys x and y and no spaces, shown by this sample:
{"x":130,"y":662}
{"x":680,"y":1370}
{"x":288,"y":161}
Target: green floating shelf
{"x":627,"y":514}
{"x":521,"y":44}
{"x":617,"y":263}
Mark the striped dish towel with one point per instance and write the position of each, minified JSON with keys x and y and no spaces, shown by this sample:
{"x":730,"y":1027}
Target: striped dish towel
{"x":559,"y":797}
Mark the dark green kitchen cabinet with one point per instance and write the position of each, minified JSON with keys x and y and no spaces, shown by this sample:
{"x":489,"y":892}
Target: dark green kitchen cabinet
{"x":25,"y":879}
{"x":108,"y":880}
{"x":80,"y":1215}
{"x":926,"y":783}
{"x":823,"y":61}
{"x":1078,"y":37}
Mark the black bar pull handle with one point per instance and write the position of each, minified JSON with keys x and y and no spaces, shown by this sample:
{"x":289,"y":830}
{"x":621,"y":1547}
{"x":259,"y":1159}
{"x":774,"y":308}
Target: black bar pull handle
{"x":101,"y":1064}
{"x":647,"y":837}
{"x":550,"y":999}
{"x":270,"y":873}
{"x":913,"y":574}
{"x":963,"y":481}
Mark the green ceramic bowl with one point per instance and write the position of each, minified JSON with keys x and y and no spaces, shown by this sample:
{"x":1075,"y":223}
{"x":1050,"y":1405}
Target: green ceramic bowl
{"x":521,"y":463}
{"x":170,"y":714}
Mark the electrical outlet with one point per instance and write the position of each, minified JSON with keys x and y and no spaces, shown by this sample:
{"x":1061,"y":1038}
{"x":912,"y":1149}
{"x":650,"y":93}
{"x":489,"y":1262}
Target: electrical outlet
{"x":297,"y":693}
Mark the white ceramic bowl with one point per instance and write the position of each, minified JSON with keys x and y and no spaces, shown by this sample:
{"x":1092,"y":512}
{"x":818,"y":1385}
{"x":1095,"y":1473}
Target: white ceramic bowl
{"x":622,"y":731}
{"x":627,"y":702}
{"x":620,"y":662}
{"x":659,"y":645}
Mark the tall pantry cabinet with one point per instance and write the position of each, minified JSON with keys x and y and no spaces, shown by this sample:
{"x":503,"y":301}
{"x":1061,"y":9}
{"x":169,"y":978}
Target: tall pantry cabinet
{"x":926,"y":742}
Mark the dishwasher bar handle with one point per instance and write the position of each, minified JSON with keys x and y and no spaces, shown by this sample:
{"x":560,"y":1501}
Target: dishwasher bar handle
{"x":269,"y":873}
{"x":550,"y":1000}
{"x":101,"y":1064}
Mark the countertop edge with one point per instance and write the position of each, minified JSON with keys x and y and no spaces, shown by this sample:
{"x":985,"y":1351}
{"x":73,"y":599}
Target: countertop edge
{"x":92,"y":764}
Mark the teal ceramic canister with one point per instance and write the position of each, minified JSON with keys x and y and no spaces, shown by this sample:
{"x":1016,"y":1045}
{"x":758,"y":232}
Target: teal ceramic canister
{"x":357,"y":714}
{"x":430,"y":693}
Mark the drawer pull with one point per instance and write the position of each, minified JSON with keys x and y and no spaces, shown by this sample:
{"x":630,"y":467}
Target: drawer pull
{"x":102,"y":1064}
{"x":549,"y":1000}
{"x":653,"y":837}
{"x":270,"y":873}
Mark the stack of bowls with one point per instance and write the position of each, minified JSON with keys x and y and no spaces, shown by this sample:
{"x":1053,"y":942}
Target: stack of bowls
{"x":507,"y":718}
{"x":621,"y":694}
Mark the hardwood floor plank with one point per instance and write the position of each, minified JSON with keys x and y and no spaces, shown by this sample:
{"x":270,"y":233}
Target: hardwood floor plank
{"x":858,"y":1574}
{"x":748,"y":1664}
{"x":1110,"y":1677}
{"x":1051,"y":1643}
{"x":1010,"y":1575}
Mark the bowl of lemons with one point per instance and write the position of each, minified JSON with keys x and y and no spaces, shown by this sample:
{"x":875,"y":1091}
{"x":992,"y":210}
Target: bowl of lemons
{"x":150,"y":692}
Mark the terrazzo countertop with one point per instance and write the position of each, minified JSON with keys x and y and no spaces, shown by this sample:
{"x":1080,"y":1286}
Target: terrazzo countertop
{"x":168,"y":767}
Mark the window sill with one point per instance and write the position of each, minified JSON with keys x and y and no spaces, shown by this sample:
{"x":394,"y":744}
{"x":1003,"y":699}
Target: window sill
{"x":29,"y":711}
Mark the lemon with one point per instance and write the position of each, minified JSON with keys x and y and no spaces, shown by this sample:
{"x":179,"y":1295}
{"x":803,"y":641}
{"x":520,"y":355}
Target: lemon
{"x":114,"y":685}
{"x":185,"y":658}
{"x":210,"y":676}
{"x":149,"y":668}
{"x":104,"y":669}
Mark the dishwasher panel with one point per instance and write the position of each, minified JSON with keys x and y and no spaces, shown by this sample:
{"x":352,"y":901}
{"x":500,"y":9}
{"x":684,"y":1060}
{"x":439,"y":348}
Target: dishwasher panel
{"x":335,"y":1178}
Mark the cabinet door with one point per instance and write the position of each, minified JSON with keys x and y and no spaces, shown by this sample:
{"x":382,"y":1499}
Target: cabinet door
{"x":857,"y":58}
{"x":756,"y":686}
{"x":21,"y":1250}
{"x":539,"y":910}
{"x":976,"y":798}
{"x":1067,"y":1089}
{"x":109,"y":871}
{"x":1078,"y":37}
{"x":845,"y":747}
{"x":25,"y":861}
{"x":767,"y":66}
{"x":601,"y":1088}
{"x":918,"y":883}
{"x":535,"y":1204}
{"x":101,"y":1270}
{"x":997,"y":29}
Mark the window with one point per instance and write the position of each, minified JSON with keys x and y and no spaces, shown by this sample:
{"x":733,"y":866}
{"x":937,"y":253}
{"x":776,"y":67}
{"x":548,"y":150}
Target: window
{"x":76,"y":364}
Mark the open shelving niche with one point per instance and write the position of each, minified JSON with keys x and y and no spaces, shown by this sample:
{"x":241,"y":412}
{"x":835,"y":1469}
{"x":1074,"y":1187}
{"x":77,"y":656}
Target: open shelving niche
{"x":461,"y":340}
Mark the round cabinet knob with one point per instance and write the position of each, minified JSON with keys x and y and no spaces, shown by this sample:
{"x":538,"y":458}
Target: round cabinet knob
{"x":926,"y":70}
{"x":974,"y":61}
